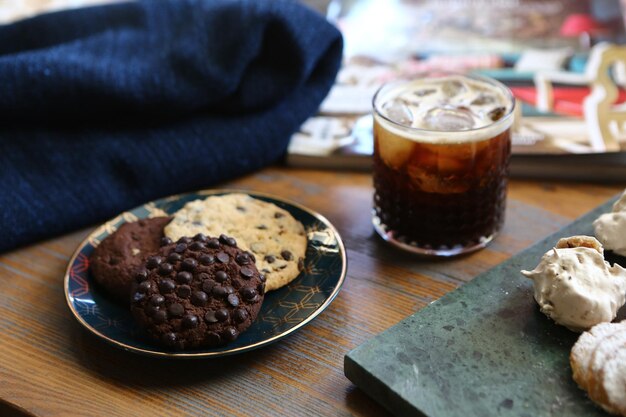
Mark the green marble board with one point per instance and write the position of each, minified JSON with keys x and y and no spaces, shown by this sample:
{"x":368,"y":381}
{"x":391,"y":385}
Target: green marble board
{"x":481,"y":350}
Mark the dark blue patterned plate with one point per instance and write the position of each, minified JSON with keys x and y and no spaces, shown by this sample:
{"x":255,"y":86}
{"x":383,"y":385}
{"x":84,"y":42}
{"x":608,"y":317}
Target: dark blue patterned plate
{"x":283,"y":311}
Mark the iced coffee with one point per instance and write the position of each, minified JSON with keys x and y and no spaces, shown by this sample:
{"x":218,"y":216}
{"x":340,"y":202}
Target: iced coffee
{"x":441,"y":151}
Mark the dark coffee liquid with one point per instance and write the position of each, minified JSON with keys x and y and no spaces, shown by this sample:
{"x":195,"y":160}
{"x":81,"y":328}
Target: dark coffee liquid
{"x":441,"y":195}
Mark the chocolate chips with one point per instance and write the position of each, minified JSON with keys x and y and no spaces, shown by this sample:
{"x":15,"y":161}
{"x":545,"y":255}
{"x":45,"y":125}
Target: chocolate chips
{"x":197,"y":292}
{"x":176,"y":310}
{"x":166,"y":286}
{"x":190,"y":321}
{"x":209,"y":317}
{"x":230,"y":334}
{"x":228,"y":240}
{"x":199,"y":298}
{"x":174,"y":257}
{"x":221,"y":314}
{"x":200,"y":238}
{"x":184,"y":277}
{"x":159,"y":317}
{"x":169,"y":339}
{"x":184,"y":291}
{"x":221,"y":276}
{"x":213,"y":243}
{"x":157,"y":300}
{"x":206,"y":259}
{"x":240,"y":315}
{"x":233,"y":300}
{"x":141,"y":275}
{"x":222,"y":257}
{"x":144,"y":286}
{"x":189,"y":264}
{"x":219,"y":291}
{"x":196,"y":246}
{"x":243,"y":259}
{"x":165,"y":269}
{"x":246,"y":272}
{"x":248,"y":293}
{"x":153,"y":261}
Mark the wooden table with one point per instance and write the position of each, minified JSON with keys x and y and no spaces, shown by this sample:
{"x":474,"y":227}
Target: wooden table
{"x":50,"y":366}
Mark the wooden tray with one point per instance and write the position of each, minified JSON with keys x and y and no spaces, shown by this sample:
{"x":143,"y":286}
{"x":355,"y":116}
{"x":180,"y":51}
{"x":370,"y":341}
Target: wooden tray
{"x":484,"y":349}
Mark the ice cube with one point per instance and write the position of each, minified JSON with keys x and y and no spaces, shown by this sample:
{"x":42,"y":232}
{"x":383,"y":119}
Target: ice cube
{"x":409,"y":100}
{"x":496,"y":114}
{"x":424,"y":92}
{"x":452,"y":88}
{"x":399,"y":112}
{"x":395,"y":151}
{"x":449,"y":118}
{"x":483,"y":99}
{"x":436,"y":183}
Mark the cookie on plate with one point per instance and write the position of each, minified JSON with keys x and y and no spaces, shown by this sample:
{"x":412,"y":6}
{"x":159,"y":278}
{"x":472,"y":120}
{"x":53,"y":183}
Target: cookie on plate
{"x":115,"y":259}
{"x":199,"y":292}
{"x":276,"y":239}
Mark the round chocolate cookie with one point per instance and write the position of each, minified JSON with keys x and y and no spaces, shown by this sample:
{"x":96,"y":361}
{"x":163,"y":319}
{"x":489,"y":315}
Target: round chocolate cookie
{"x":198,"y":292}
{"x":114,"y":261}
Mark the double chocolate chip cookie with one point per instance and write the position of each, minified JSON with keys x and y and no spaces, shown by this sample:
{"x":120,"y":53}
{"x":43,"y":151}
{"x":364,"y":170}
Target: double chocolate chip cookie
{"x":199,"y":292}
{"x":114,"y":261}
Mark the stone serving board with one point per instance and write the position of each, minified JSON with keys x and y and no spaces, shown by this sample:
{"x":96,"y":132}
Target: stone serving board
{"x":482,"y":350}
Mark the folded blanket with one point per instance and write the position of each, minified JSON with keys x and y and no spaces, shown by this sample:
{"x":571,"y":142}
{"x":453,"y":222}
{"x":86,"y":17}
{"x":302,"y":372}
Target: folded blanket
{"x":108,"y":107}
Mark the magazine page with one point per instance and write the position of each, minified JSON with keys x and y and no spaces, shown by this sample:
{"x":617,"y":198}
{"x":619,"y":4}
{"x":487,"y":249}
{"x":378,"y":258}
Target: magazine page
{"x":566,"y":69}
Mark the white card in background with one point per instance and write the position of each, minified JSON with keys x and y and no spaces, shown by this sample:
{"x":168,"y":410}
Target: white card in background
{"x":321,"y":136}
{"x":349,"y":99}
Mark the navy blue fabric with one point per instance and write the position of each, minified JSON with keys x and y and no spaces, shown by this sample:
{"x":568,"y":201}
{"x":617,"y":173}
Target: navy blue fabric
{"x":105,"y":108}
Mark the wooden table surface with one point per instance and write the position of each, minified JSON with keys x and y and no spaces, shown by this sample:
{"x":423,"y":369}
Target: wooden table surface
{"x":50,"y":366}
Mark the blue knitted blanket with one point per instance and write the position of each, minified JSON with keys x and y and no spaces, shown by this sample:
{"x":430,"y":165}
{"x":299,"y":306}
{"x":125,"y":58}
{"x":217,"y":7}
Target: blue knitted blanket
{"x":105,"y":108}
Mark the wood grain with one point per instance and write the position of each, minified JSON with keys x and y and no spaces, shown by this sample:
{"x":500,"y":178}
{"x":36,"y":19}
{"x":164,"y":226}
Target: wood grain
{"x":50,"y":366}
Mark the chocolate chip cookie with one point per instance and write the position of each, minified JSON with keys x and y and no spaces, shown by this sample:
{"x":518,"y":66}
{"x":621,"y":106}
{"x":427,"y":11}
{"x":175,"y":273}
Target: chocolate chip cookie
{"x":268,"y":231}
{"x":199,"y":292}
{"x":114,"y":261}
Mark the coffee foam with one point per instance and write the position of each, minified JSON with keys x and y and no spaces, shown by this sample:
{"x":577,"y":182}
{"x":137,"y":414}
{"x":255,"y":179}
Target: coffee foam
{"x":475,"y":99}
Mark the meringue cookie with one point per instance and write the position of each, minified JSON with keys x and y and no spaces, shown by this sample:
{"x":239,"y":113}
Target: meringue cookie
{"x":577,"y":288}
{"x":620,"y":204}
{"x":610,"y":229}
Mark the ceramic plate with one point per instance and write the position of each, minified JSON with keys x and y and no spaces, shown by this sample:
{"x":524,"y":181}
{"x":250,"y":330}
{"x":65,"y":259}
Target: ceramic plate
{"x":283,"y":311}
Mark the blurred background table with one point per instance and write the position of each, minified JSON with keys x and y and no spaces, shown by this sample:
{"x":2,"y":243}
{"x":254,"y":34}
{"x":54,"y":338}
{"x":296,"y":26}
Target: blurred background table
{"x":50,"y":366}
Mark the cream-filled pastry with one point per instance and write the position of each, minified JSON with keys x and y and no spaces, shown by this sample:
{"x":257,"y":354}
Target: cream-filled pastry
{"x":576,"y":287}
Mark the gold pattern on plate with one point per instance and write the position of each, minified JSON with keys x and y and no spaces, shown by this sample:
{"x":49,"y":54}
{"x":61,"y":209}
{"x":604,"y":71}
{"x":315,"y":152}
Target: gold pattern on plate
{"x":154,"y":211}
